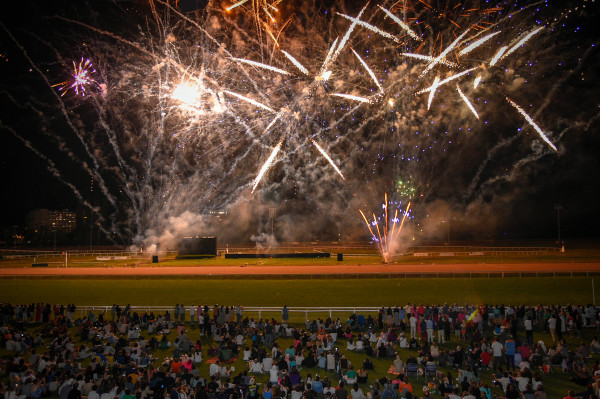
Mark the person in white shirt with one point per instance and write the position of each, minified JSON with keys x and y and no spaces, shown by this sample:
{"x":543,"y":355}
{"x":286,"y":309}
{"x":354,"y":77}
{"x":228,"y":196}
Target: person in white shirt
{"x":214,"y":369}
{"x":274,"y":374}
{"x":247,"y":354}
{"x":93,"y":394}
{"x":255,"y":366}
{"x":356,"y":392}
{"x":522,"y":382}
{"x":497,"y":351}
{"x":504,"y":381}
{"x":413,"y":326}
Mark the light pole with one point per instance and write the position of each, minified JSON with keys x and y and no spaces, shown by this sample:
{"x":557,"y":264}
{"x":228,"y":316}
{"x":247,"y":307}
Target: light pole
{"x":447,"y":222}
{"x":272,"y":215}
{"x":558,"y":208}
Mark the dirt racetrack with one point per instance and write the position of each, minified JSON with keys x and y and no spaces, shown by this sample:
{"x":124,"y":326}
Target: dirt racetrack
{"x":263,"y":270}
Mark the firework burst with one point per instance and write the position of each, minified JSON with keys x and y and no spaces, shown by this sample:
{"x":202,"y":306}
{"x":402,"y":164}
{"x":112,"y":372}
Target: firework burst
{"x":200,"y":112}
{"x":386,"y":238}
{"x":81,"y":78}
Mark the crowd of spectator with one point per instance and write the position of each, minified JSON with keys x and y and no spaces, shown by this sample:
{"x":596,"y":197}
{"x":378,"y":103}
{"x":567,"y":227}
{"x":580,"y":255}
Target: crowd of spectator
{"x":110,"y":353}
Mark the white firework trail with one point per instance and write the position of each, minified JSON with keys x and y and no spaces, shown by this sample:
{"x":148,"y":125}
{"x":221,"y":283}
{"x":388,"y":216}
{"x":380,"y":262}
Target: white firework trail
{"x":268,"y":14}
{"x":522,"y":41}
{"x":251,"y":101}
{"x":429,"y":58}
{"x":466,"y":100}
{"x":404,"y":26}
{"x":478,"y":43}
{"x":369,"y":71}
{"x":351,"y":97}
{"x":498,"y":55}
{"x":444,"y":53}
{"x":449,"y":79}
{"x":532,"y":123}
{"x":277,"y":117}
{"x":322,"y":151}
{"x":402,"y":223}
{"x":261,"y":65}
{"x":370,"y":27}
{"x":295,"y":62}
{"x":434,"y":87}
{"x":239,"y":3}
{"x":477,"y":81}
{"x":266,"y":165}
{"x":346,"y":36}
{"x":322,"y":72}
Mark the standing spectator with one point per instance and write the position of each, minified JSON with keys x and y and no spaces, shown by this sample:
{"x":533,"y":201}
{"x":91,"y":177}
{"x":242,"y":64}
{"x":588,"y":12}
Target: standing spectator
{"x":497,"y":352}
{"x":285,"y":315}
{"x":509,"y":350}
{"x":357,"y":393}
{"x":239,"y":313}
{"x":440,"y":330}
{"x":413,"y":325}
{"x":192,"y":314}
{"x":529,"y":330}
{"x":552,"y":326}
{"x":429,"y":325}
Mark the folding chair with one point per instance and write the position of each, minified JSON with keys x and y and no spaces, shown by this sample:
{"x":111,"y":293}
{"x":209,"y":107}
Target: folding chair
{"x":411,"y":369}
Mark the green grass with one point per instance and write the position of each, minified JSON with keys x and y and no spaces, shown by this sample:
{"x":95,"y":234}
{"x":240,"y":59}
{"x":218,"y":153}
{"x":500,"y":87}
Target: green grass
{"x":299,"y":292}
{"x":576,"y":256}
{"x":555,"y":384}
{"x":305,"y":292}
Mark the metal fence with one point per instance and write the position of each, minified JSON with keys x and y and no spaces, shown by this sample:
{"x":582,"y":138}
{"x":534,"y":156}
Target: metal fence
{"x":348,"y":250}
{"x":252,"y":310}
{"x":310,"y":313}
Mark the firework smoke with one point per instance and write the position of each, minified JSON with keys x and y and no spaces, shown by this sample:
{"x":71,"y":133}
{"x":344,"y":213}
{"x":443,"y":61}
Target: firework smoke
{"x":180,"y":110}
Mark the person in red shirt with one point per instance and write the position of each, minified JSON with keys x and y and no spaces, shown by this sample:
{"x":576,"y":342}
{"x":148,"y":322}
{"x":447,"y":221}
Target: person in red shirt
{"x":176,"y":365}
{"x":570,"y":395}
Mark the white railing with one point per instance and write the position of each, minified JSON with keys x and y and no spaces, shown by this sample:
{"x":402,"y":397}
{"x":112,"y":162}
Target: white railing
{"x":260,"y":310}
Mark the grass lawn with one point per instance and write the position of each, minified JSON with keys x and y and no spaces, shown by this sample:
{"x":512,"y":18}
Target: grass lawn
{"x":352,"y":258}
{"x":299,"y":292}
{"x":318,"y":292}
{"x":556,"y":384}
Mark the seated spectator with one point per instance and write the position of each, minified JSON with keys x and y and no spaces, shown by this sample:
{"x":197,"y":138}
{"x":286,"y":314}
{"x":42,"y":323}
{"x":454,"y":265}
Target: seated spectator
{"x":356,"y":392}
{"x":362,"y":376}
{"x":350,"y":345}
{"x":317,"y":385}
{"x":581,"y":374}
{"x":540,"y":393}
{"x":522,"y":381}
{"x":350,"y":376}
{"x":528,"y":392}
{"x":536,"y":382}
{"x":583,"y":350}
{"x":247,"y":354}
{"x":402,"y":341}
{"x":343,"y":364}
{"x":524,"y":364}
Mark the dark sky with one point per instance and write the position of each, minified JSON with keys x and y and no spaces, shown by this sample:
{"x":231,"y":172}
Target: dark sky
{"x":521,"y":210}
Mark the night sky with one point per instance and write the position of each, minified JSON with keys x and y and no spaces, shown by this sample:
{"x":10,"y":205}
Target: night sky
{"x":37,"y":136}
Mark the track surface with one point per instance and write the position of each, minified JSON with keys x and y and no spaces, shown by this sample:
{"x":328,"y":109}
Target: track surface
{"x":304,"y":270}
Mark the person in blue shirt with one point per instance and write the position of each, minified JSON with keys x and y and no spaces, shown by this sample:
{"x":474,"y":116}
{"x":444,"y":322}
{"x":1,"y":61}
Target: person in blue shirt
{"x":317,"y":385}
{"x":509,"y":351}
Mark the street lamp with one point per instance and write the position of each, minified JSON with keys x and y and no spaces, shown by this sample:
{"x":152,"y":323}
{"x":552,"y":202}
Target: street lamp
{"x":272,"y":215}
{"x":447,"y":222}
{"x":558,"y":208}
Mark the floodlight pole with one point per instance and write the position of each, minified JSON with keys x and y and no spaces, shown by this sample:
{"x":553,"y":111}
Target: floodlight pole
{"x":272,"y":215}
{"x":558,"y":208}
